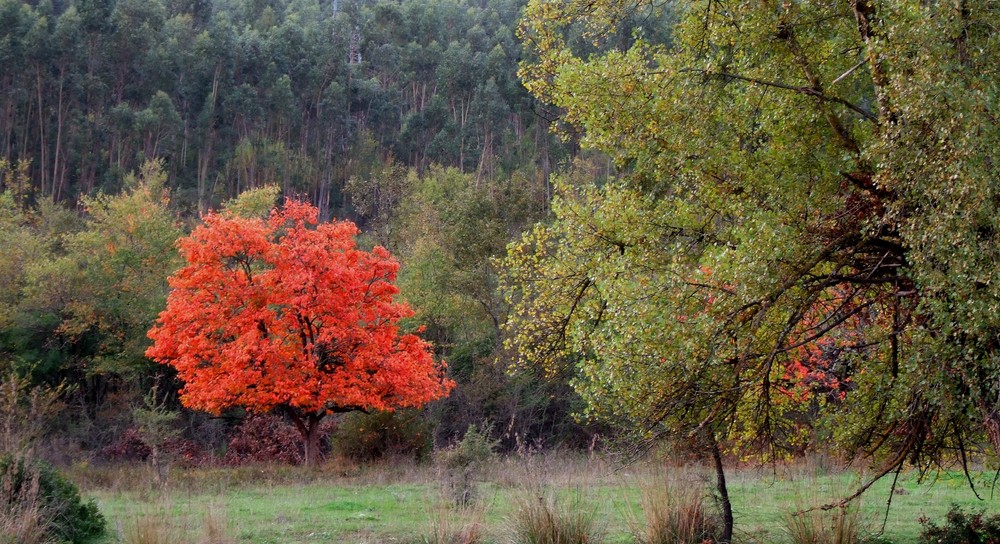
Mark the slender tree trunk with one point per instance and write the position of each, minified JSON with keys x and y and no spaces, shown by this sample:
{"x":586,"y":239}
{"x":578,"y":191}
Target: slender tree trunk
{"x":43,"y":166}
{"x":205,"y":153}
{"x":57,"y":173}
{"x":23,"y":140}
{"x":724,"y":502}
{"x":8,"y":120}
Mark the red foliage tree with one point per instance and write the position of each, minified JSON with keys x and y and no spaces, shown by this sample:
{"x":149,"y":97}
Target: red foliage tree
{"x":287,"y":315}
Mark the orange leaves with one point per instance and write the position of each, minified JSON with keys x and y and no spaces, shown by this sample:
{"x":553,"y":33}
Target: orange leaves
{"x":821,"y":349}
{"x":289,"y":312}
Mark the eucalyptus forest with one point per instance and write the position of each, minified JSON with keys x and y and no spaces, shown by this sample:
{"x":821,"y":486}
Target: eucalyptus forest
{"x":464,"y":233}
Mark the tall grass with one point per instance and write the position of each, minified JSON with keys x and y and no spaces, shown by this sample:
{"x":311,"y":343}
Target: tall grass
{"x":159,"y":525}
{"x":22,"y":513}
{"x":673,"y":513}
{"x":841,"y":525}
{"x":292,"y":506}
{"x":215,"y":526}
{"x":468,"y":528}
{"x":151,"y":528}
{"x":545,"y":519}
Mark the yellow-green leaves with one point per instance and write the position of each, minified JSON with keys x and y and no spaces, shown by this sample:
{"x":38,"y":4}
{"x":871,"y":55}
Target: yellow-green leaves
{"x":810,"y":197}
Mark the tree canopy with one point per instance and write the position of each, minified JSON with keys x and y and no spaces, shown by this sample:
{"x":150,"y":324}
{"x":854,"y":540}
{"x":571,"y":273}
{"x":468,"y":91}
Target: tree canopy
{"x":805,"y":224}
{"x":288,"y":314}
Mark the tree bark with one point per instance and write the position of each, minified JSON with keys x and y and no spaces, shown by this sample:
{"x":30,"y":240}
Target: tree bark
{"x":58,"y":174}
{"x":308,"y":427}
{"x":724,"y":502}
{"x":991,"y":422}
{"x":43,"y":166}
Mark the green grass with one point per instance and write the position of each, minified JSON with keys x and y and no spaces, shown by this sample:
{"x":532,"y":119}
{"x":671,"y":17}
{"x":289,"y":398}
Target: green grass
{"x":401,"y":502}
{"x":762,"y":500}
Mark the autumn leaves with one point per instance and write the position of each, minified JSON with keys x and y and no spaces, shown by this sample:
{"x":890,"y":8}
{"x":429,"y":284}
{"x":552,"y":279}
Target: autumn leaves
{"x":288,"y":314}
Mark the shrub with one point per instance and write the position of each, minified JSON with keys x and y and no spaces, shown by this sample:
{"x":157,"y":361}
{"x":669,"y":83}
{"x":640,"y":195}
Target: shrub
{"x":264,"y":438}
{"x":127,"y":447}
{"x":674,"y":515}
{"x":366,"y":437}
{"x":463,"y":460}
{"x":545,"y":520}
{"x":962,"y":528}
{"x":27,"y":487}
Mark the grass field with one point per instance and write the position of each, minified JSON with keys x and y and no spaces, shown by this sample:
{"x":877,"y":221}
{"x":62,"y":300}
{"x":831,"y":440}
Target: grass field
{"x":407,"y":503}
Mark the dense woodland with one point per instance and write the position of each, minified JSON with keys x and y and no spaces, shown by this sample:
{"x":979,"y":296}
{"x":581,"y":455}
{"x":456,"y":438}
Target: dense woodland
{"x":123,"y":121}
{"x":236,"y":95}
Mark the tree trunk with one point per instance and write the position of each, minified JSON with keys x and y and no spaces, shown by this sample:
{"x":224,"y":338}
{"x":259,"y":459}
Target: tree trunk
{"x":720,"y":486}
{"x":991,"y":421}
{"x":43,"y":166}
{"x":308,"y":427}
{"x":58,"y":174}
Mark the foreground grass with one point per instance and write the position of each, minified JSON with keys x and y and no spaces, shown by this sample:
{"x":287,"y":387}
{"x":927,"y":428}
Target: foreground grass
{"x":407,"y":503}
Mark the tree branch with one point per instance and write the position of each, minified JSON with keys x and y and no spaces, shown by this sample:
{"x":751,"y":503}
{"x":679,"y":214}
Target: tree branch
{"x":803,"y":89}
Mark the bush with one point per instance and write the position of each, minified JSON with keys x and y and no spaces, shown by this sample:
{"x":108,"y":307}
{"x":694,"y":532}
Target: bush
{"x":464,"y":460}
{"x":34,"y":488}
{"x":129,"y":447}
{"x":264,"y":438}
{"x":962,"y":528}
{"x":366,"y":437}
{"x":126,"y":447}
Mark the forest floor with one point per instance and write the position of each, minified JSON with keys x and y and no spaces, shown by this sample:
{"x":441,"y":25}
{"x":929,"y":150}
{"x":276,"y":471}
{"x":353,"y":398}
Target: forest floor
{"x":405,"y":502}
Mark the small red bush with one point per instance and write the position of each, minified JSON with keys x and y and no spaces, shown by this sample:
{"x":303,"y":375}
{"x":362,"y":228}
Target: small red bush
{"x":127,"y":446}
{"x":264,"y":438}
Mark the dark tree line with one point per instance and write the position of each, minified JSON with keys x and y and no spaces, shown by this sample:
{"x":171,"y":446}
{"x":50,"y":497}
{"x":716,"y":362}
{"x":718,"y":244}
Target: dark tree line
{"x":235,"y":94}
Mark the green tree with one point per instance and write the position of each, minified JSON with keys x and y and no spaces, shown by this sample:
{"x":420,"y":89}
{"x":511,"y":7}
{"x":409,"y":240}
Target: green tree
{"x":123,"y":256}
{"x":36,"y":284}
{"x":795,"y":173}
{"x":450,"y":228}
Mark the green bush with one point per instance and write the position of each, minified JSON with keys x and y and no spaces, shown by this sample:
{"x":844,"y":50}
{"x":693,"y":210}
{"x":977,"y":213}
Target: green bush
{"x":463,"y":462}
{"x":962,"y":528}
{"x":65,"y":516}
{"x":473,"y":450}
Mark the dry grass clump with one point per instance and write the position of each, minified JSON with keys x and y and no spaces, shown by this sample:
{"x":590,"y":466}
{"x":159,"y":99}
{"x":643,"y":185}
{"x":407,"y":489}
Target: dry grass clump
{"x":151,"y":528}
{"x":673,"y":513}
{"x":544,"y":519}
{"x":159,"y":525}
{"x":468,"y":528}
{"x":841,"y":525}
{"x":22,"y":516}
{"x":215,"y":526}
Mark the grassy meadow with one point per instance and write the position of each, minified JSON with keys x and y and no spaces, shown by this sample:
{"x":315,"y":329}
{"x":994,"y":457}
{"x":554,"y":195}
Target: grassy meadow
{"x":403,"y":502}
